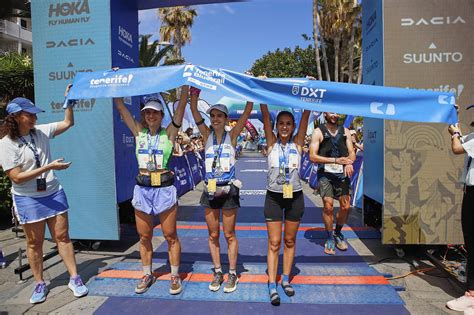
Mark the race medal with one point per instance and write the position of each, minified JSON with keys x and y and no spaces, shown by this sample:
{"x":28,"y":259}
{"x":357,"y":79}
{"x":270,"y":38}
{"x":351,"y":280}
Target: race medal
{"x":219,"y":172}
{"x":211,"y":185}
{"x":287,"y":191}
{"x":159,"y":159}
{"x":150,"y":166}
{"x":155,"y":178}
{"x":333,"y":168}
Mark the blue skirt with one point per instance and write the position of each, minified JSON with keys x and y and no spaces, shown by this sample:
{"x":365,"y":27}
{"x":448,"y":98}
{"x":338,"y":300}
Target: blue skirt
{"x":35,"y":209}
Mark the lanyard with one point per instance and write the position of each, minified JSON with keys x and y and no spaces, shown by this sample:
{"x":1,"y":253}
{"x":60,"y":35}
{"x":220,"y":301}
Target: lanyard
{"x":217,"y":154}
{"x":284,"y":159}
{"x":32,"y":147}
{"x":152,"y":149}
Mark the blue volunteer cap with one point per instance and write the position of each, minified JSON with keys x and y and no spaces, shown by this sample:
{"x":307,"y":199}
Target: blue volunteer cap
{"x":22,"y":104}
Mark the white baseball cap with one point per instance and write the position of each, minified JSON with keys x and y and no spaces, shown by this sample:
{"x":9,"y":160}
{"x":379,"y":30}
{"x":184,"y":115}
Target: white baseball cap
{"x":153,"y":105}
{"x":219,"y":107}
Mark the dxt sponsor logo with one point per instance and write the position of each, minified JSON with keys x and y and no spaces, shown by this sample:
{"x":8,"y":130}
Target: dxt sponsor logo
{"x":86,"y":105}
{"x":308,"y":94}
{"x":382,"y":108}
{"x":435,"y":20}
{"x":113,"y":81}
{"x":67,"y":74}
{"x":73,"y":42}
{"x":69,"y":12}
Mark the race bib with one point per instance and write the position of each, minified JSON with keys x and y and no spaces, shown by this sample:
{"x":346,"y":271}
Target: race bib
{"x":225,"y":162}
{"x":287,"y":191}
{"x":293,"y":159}
{"x":155,"y":179}
{"x":212,"y":185}
{"x":159,"y":159}
{"x":333,"y":168}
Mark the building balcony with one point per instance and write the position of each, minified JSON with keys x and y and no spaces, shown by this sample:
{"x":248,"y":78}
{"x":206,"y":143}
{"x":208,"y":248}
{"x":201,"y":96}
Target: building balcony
{"x":13,"y":31}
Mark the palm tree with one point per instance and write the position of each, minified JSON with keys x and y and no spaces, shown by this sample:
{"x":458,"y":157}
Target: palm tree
{"x":148,"y":55}
{"x":175,"y":26}
{"x":315,"y":37}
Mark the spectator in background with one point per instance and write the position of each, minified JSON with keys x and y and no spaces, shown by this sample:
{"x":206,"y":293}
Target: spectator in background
{"x":177,"y":149}
{"x":465,"y":145}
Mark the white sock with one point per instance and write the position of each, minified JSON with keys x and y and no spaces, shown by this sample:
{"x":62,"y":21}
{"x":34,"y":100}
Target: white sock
{"x":232,"y":271}
{"x":174,"y":270}
{"x":147,"y":270}
{"x":216,"y":270}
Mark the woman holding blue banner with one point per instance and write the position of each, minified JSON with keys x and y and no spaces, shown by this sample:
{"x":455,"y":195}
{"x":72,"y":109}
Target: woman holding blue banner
{"x":155,"y":193}
{"x":221,"y":190}
{"x":38,"y":197}
{"x":284,"y":199}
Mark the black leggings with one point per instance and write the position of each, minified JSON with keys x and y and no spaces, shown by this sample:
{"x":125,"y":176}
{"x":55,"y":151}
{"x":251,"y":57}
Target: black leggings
{"x":467,"y":221}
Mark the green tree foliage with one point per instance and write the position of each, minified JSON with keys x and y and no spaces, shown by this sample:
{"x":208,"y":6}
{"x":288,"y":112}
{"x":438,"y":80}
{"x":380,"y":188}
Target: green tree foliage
{"x":286,"y":63}
{"x":16,"y":76}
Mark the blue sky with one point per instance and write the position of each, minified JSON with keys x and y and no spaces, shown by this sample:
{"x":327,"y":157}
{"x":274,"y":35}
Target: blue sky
{"x":234,"y":35}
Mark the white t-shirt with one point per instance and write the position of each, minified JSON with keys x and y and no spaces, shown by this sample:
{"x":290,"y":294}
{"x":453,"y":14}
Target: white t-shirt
{"x":468,"y":145}
{"x":14,"y":153}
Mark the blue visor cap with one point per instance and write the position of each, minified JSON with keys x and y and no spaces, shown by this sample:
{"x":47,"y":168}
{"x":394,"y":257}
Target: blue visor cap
{"x":22,"y":104}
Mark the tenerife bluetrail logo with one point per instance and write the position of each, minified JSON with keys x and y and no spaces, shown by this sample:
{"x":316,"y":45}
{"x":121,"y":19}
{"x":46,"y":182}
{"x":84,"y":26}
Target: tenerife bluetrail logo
{"x":198,"y":76}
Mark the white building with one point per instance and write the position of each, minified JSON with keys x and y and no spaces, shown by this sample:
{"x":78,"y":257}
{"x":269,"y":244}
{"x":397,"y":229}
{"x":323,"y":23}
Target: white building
{"x":15,"y":35}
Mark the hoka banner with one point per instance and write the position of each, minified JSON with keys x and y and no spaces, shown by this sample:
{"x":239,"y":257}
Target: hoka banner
{"x":352,"y":99}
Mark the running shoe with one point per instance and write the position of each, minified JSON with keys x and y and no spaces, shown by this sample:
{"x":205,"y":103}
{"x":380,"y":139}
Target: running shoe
{"x":144,"y":284}
{"x":462,"y":303}
{"x":341,"y":244}
{"x":329,"y":247}
{"x":77,"y":286}
{"x":217,"y":280}
{"x":231,"y":284}
{"x":175,"y":285}
{"x":39,"y":293}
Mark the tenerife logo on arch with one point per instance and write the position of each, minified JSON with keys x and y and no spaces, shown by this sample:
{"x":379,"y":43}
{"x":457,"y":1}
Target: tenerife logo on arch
{"x":113,"y":81}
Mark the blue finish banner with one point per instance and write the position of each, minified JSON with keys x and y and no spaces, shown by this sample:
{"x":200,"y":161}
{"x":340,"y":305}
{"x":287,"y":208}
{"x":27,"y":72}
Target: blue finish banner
{"x":351,"y":99}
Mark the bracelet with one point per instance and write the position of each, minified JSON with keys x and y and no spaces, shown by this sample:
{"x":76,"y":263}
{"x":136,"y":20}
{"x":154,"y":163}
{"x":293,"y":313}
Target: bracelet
{"x":200,"y":122}
{"x":456,"y":134}
{"x":335,"y":159}
{"x":175,"y":124}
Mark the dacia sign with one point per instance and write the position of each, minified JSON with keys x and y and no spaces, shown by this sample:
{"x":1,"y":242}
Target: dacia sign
{"x":307,"y":94}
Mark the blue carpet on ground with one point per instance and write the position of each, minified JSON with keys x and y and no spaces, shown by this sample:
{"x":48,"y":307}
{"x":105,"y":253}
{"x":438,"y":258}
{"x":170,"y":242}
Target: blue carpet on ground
{"x":251,"y":296}
{"x":173,"y":307}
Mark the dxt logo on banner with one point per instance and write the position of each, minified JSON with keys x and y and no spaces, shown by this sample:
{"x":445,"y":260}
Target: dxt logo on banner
{"x":308,"y":94}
